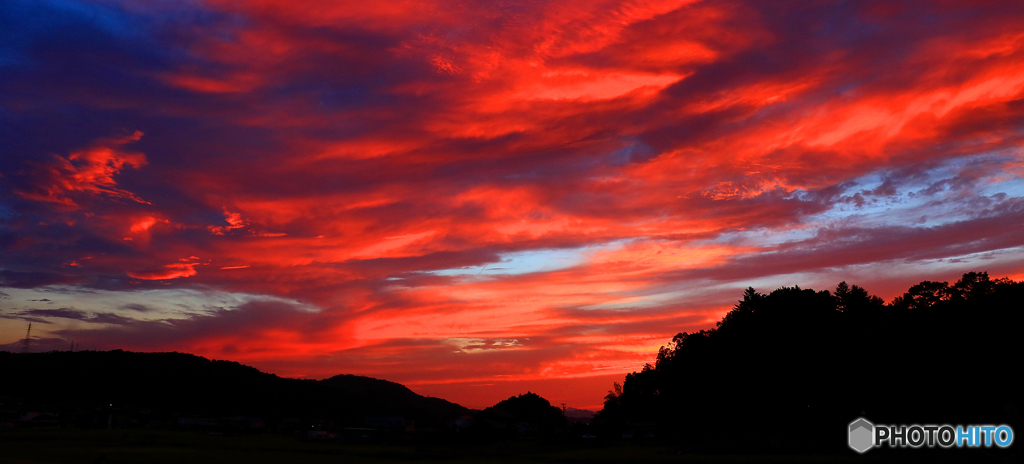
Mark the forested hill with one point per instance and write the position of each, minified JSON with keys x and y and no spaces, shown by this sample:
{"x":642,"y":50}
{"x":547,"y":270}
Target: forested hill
{"x":802,"y":363}
{"x":184,"y":384}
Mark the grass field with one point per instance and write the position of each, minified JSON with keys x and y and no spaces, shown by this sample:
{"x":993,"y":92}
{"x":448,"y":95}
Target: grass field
{"x":133,"y":446}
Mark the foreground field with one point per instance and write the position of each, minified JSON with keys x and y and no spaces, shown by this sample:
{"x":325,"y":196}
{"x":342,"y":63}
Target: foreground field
{"x":124,"y":446}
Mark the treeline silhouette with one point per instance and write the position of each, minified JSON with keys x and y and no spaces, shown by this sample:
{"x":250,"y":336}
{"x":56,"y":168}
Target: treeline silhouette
{"x":793,"y":367}
{"x":527,"y":415}
{"x":90,"y":388}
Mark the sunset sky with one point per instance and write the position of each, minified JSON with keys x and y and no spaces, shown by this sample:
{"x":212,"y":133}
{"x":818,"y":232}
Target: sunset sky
{"x":480,"y":198}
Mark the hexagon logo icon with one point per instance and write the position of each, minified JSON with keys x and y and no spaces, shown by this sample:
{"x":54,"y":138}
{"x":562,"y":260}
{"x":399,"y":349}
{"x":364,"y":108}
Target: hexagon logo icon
{"x":861,"y":435}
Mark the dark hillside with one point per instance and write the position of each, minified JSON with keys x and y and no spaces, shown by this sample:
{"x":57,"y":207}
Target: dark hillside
{"x":528,"y":414}
{"x":812,"y":361}
{"x":177,"y":384}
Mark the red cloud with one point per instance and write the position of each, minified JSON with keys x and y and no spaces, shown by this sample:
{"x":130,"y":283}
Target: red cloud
{"x":510,"y":195}
{"x":88,"y":171}
{"x":185,"y":268}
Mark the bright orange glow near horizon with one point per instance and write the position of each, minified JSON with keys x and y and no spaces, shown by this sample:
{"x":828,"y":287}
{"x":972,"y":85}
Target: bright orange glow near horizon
{"x":495,"y":197}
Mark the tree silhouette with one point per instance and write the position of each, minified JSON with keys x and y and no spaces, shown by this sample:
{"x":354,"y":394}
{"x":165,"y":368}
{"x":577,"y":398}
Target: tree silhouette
{"x":924,"y":295}
{"x":526,"y":414}
{"x":796,"y":356}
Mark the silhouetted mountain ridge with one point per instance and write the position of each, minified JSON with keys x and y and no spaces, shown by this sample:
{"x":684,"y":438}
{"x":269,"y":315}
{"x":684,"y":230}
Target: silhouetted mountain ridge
{"x":185,"y":384}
